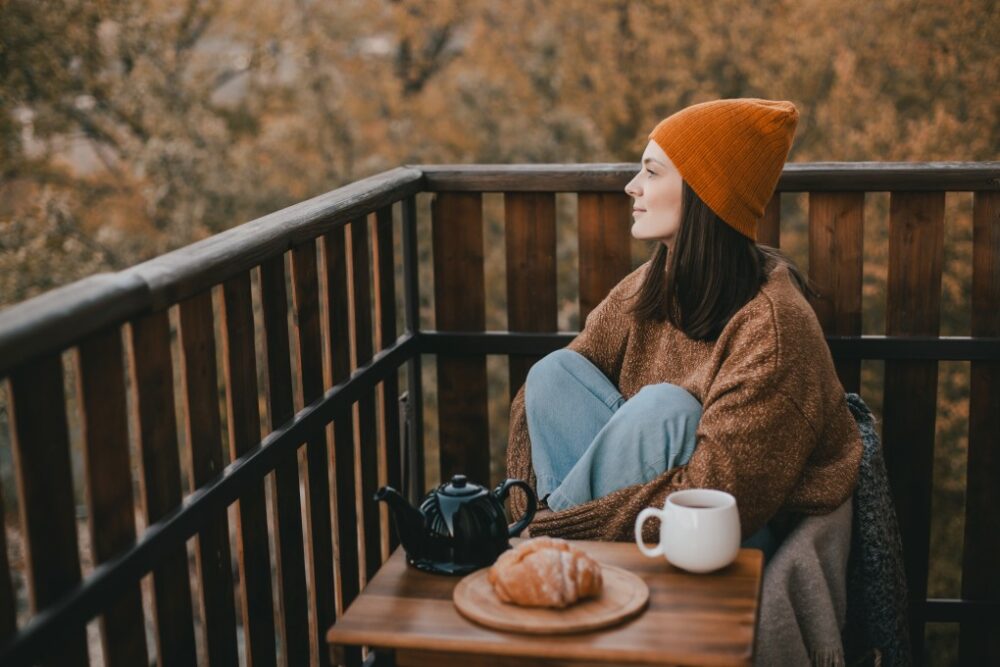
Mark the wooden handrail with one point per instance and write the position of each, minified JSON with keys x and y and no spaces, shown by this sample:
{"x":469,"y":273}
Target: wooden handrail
{"x":55,"y":320}
{"x":188,"y":270}
{"x":796,"y":177}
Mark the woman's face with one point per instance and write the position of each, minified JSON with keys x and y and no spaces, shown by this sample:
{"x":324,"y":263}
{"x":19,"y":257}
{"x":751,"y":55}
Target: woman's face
{"x":656,"y":191}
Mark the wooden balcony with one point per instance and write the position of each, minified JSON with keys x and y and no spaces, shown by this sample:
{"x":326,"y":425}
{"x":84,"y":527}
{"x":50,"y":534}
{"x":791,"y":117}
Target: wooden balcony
{"x":317,"y":397}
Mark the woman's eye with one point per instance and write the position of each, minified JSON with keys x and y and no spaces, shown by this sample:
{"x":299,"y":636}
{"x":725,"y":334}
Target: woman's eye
{"x":649,"y":171}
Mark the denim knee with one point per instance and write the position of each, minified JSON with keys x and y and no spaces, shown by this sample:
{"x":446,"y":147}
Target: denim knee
{"x":549,"y":371}
{"x":564,"y":374}
{"x":661,"y":422}
{"x":660,"y":401}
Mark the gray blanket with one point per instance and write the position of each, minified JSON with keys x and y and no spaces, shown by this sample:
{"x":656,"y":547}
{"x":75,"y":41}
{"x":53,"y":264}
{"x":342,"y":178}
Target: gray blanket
{"x":804,"y":598}
{"x":838,"y":580}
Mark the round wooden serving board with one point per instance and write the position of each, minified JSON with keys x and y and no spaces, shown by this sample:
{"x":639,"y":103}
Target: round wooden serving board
{"x":624,"y":595}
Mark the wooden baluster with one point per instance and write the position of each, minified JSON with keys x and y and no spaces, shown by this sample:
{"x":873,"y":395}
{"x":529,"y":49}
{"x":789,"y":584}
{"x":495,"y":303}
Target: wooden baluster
{"x":104,"y":421}
{"x":385,"y":316}
{"x":306,"y":299}
{"x":338,"y":312}
{"x":530,"y":220}
{"x":40,"y":445}
{"x":836,"y":225}
{"x":8,"y":603}
{"x":980,"y":578}
{"x":916,"y":237}
{"x":152,"y":370}
{"x":289,"y":556}
{"x":769,"y":232}
{"x":204,"y":435}
{"x":358,"y":275}
{"x":604,"y":246}
{"x":460,"y":305}
{"x":244,"y":434}
{"x":414,"y":389}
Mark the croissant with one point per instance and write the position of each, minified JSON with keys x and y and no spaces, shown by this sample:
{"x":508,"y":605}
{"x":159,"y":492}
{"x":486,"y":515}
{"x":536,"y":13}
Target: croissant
{"x":545,"y":572}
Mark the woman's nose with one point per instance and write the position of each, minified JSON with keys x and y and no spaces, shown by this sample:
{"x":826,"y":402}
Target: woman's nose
{"x":631,"y":189}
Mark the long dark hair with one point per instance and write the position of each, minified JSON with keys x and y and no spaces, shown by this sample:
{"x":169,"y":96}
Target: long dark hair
{"x":710,"y":272}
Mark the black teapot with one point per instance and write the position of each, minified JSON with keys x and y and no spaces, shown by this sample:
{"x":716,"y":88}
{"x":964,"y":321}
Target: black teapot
{"x":460,"y":526}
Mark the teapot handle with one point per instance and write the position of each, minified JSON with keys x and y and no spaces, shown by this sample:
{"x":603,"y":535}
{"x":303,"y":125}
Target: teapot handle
{"x":529,"y":513}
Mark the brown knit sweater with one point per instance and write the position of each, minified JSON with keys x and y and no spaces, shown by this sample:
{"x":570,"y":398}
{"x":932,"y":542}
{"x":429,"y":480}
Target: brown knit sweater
{"x":775,"y":429}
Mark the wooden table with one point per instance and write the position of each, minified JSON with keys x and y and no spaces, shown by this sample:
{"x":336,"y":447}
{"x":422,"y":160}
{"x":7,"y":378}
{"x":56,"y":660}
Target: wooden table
{"x":692,"y":619}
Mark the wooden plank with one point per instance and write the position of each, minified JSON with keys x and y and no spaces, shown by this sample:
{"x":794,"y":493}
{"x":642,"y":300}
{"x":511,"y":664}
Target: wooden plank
{"x":604,"y":246}
{"x":769,"y":232}
{"x":107,"y":469}
{"x":40,"y":447}
{"x":204,"y":436}
{"x":338,"y":313}
{"x":358,"y":277}
{"x":530,"y":221}
{"x":385,"y":335}
{"x":795,"y":177}
{"x":244,"y":434}
{"x":836,"y":225}
{"x":980,"y":578}
{"x":305,"y":290}
{"x":293,"y":616}
{"x":916,"y":236}
{"x":152,"y":371}
{"x":460,"y":305}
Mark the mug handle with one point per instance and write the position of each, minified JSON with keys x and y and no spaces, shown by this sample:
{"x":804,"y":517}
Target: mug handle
{"x":645,"y":514}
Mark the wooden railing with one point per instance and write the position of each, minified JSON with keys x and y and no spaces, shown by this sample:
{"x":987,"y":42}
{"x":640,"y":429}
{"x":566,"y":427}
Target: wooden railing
{"x":304,"y":301}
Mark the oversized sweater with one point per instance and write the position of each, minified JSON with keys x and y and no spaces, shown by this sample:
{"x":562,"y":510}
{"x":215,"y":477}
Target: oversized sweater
{"x":775,"y":429}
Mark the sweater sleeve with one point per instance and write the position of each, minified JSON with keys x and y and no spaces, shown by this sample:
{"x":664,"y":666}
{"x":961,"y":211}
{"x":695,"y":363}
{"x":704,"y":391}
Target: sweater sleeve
{"x":602,"y":342}
{"x":753,"y":441}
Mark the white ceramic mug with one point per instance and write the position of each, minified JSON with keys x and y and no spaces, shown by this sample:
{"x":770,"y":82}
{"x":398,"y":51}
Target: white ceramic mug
{"x":699,"y":530}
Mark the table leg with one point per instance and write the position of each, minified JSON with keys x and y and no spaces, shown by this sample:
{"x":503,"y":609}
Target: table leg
{"x":380,"y":657}
{"x":350,"y":656}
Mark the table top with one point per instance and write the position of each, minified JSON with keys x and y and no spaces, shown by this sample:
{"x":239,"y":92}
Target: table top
{"x":705,"y":619}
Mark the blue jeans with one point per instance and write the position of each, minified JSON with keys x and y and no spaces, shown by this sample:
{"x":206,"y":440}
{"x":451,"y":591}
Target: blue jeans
{"x":588,"y":441}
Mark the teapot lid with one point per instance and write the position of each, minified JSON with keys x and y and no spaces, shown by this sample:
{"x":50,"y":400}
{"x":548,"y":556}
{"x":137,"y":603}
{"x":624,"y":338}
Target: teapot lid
{"x":460,"y":487}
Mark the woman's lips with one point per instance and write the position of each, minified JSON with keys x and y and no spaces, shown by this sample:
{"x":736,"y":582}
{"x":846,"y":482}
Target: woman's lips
{"x":638,"y":210}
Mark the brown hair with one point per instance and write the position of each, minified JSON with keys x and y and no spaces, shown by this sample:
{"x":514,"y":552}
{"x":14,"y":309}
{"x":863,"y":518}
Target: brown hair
{"x":710,"y":272}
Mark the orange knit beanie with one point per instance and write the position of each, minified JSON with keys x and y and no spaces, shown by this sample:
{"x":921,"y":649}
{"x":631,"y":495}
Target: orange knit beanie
{"x":731,"y":153}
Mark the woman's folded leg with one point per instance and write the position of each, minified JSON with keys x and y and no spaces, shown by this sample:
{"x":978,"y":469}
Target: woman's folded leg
{"x":567,"y":401}
{"x":651,"y":432}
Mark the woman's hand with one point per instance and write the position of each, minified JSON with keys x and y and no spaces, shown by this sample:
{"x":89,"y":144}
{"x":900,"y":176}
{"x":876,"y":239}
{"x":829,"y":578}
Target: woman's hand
{"x":526,"y":533}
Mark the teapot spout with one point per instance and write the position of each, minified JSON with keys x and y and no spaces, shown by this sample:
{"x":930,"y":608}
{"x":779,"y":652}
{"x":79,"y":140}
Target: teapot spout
{"x":409,"y":520}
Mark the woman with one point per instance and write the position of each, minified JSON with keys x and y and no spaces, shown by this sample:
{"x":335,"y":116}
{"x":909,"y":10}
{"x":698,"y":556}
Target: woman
{"x":703,"y":368}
